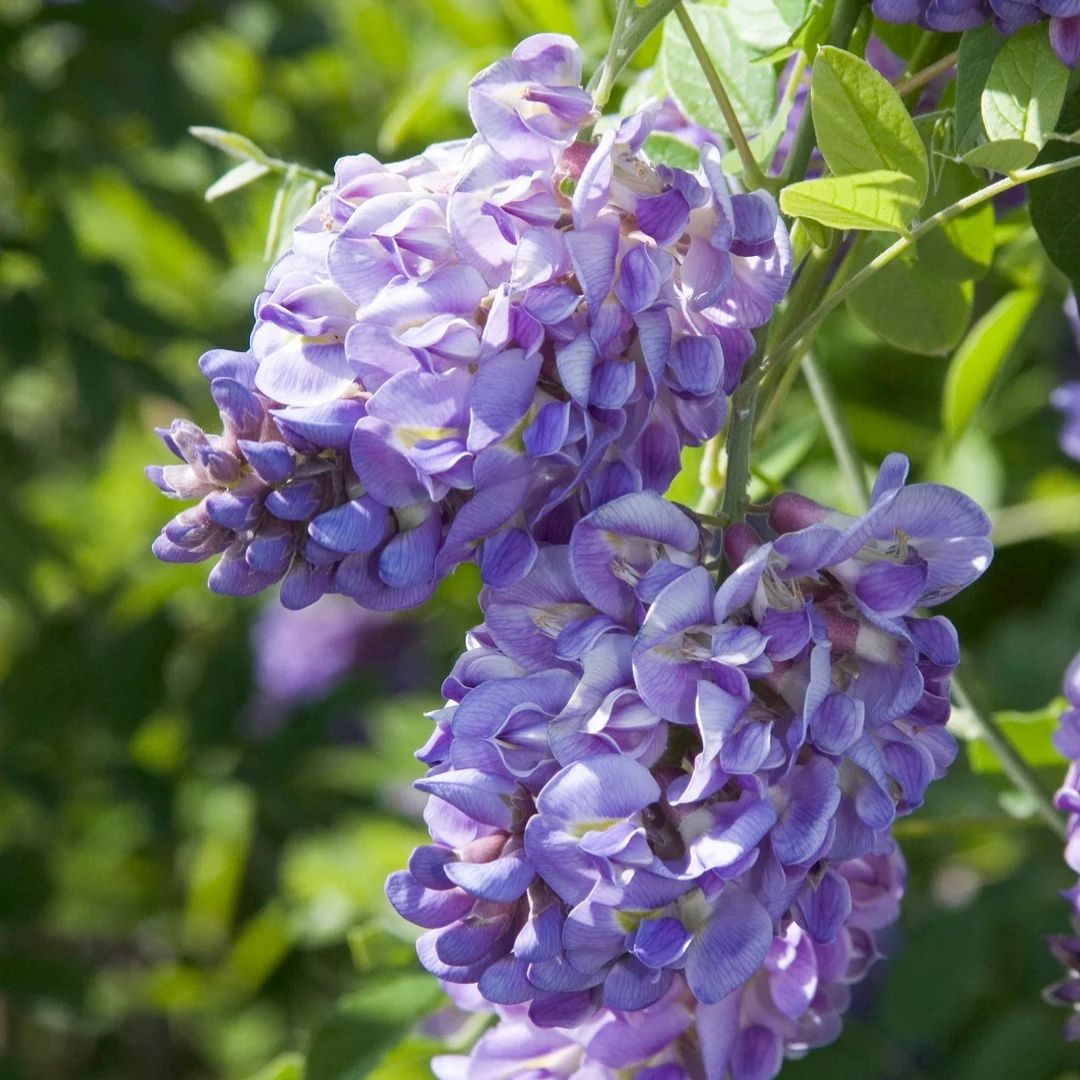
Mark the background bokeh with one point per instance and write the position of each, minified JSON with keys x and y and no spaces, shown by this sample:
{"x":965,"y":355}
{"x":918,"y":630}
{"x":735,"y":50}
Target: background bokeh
{"x":200,"y":798}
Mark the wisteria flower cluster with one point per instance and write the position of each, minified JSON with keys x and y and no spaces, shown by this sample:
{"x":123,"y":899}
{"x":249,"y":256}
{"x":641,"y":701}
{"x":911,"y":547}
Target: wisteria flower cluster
{"x":1007,"y":15}
{"x":1066,"y":397}
{"x":678,"y":1037}
{"x":463,"y":353}
{"x":1067,"y":947}
{"x":652,"y":791}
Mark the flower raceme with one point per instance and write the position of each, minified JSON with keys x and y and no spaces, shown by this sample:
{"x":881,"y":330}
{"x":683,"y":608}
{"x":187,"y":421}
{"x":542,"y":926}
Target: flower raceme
{"x":679,"y":1038}
{"x":1066,"y":397}
{"x":463,"y":353}
{"x":649,"y":790}
{"x":1007,"y":15}
{"x":1065,"y":947}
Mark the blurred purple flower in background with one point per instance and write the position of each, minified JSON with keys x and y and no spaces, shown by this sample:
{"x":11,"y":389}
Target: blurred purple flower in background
{"x":647,"y":788}
{"x":463,"y":353}
{"x":300,"y":657}
{"x":1067,"y":396}
{"x":1007,"y":15}
{"x":1065,"y":947}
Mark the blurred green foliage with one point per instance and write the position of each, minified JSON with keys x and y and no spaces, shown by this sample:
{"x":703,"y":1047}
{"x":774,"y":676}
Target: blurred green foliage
{"x":181,"y":897}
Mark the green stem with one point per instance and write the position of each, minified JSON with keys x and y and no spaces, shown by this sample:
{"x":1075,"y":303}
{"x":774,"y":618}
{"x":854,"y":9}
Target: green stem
{"x":740,"y":438}
{"x":801,"y":300}
{"x":1012,"y":764}
{"x":923,"y":48}
{"x":752,"y":173}
{"x":1036,"y":520}
{"x":777,"y":392}
{"x":925,"y":828}
{"x":927,"y":75}
{"x":845,"y":16}
{"x":839,"y":435}
{"x":286,"y":167}
{"x":791,"y":341}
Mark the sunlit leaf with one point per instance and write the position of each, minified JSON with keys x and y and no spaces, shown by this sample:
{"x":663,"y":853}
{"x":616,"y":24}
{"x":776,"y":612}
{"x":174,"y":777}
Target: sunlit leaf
{"x":231,"y":142}
{"x":751,"y":87}
{"x":1031,"y":735}
{"x":861,"y":122}
{"x":767,"y":24}
{"x":665,"y":149}
{"x":1025,"y":89}
{"x":879,"y":200}
{"x":1002,"y":156}
{"x":243,"y":174}
{"x":981,"y":356}
{"x":978,"y":49}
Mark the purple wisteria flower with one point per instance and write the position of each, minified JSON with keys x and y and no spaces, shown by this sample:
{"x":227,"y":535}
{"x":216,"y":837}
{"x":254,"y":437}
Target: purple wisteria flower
{"x":1067,"y":947}
{"x":792,"y":1003}
{"x":1067,"y":396}
{"x":464,"y":353}
{"x":1007,"y":15}
{"x":647,"y":784}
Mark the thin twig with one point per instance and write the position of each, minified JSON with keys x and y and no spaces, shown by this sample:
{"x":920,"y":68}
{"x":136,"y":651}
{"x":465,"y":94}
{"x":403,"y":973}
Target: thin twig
{"x":1036,"y":520}
{"x":837,"y":431}
{"x":1012,"y":764}
{"x":927,"y":75}
{"x":791,"y":341}
{"x":752,"y":173}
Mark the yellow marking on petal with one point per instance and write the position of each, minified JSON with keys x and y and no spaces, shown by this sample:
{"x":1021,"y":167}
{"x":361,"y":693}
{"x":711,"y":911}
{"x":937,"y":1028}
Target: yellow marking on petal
{"x":410,"y":436}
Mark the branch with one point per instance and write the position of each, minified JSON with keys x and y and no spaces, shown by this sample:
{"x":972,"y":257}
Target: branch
{"x":1012,"y":764}
{"x":752,"y":173}
{"x":833,"y":300}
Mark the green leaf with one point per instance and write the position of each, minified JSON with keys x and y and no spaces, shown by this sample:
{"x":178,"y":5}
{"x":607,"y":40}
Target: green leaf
{"x":686,"y":487}
{"x":767,"y":24}
{"x":815,"y":28}
{"x":862,"y":124}
{"x":962,"y":249}
{"x":980,"y":357}
{"x":409,"y":1060}
{"x":762,"y":146}
{"x":232,"y":143}
{"x":879,"y":200}
{"x":1025,"y":88}
{"x":978,"y":50}
{"x":1055,"y":206}
{"x":783,"y":452}
{"x":367,"y":1024}
{"x":911,"y":308}
{"x":751,"y":87}
{"x":293,"y":198}
{"x":666,"y":149}
{"x":286,"y":1067}
{"x":240,"y":176}
{"x":1031,"y":734}
{"x":1002,"y":156}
